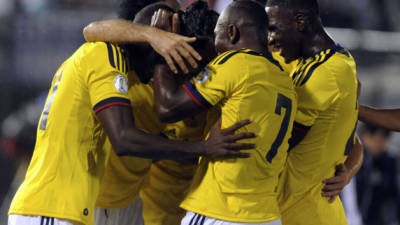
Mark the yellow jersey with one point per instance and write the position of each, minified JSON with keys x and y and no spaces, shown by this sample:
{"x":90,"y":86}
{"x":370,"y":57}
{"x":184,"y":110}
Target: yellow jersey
{"x":124,"y":176}
{"x":326,"y":86}
{"x":68,"y":162}
{"x":246,"y":85}
{"x":169,"y":180}
{"x":287,"y":67}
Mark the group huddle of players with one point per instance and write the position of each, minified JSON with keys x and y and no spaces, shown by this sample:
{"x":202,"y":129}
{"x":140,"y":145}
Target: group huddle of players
{"x":260,"y":93}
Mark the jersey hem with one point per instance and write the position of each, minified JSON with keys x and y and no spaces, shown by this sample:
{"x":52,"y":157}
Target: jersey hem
{"x":229,"y":219}
{"x":127,"y":203}
{"x":64,"y":217}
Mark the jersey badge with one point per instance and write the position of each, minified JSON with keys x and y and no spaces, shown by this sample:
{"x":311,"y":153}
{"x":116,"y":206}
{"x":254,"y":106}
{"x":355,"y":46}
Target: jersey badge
{"x":203,"y":75}
{"x":120,"y":84}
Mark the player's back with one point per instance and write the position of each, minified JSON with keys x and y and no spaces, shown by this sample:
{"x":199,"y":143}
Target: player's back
{"x":327,"y":91}
{"x":68,"y":161}
{"x":256,"y":88}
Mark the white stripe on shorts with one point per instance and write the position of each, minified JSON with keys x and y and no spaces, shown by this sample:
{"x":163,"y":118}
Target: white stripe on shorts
{"x":192,"y":218}
{"x":16,"y":219}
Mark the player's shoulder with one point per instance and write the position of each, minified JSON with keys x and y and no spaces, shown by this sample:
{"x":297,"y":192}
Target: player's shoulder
{"x":105,"y":54}
{"x":224,"y":58}
{"x":328,"y":63}
{"x":241,"y":58}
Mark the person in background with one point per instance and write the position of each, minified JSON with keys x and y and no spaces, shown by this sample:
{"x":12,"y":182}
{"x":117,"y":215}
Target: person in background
{"x":377,"y":180}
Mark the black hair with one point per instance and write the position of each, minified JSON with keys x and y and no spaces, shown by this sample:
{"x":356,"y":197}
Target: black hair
{"x":144,"y":15}
{"x":261,"y":2}
{"x":198,"y":20}
{"x":372,"y":129}
{"x":255,"y":14}
{"x":129,"y":8}
{"x":309,"y":8}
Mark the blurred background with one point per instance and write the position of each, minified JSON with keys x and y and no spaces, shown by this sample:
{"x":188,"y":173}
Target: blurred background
{"x":36,"y":36}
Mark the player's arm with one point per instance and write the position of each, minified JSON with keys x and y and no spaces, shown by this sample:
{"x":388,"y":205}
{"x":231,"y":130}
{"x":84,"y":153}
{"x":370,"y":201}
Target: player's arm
{"x":119,"y":125}
{"x":386,"y":118}
{"x":172,"y":47}
{"x":344,"y":172}
{"x":173,"y":102}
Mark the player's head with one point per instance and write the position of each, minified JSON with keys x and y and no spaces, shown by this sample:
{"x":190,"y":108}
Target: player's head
{"x":199,"y":21}
{"x":144,"y":16}
{"x":142,"y":56}
{"x":243,"y":24}
{"x":375,"y":138}
{"x":291,"y":22}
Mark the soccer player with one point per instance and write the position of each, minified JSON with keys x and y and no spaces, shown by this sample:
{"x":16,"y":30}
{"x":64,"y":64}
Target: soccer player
{"x":88,"y":99}
{"x":243,"y":81}
{"x":117,"y":202}
{"x":324,"y":128}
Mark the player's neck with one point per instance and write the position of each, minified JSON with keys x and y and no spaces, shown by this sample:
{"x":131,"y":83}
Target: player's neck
{"x":315,"y":43}
{"x":253,"y":46}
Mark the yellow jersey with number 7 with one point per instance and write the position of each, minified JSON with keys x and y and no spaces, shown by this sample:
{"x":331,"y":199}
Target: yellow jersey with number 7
{"x":245,"y":85}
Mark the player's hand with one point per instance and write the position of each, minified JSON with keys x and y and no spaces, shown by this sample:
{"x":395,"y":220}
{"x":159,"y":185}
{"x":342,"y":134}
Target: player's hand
{"x":172,"y":47}
{"x":333,"y":186}
{"x":222,"y":142}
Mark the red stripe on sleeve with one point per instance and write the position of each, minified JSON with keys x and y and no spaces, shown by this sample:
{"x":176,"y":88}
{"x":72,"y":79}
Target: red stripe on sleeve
{"x":111,"y":104}
{"x":194,"y":98}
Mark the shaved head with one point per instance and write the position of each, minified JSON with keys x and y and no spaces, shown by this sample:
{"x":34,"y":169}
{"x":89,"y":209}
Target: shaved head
{"x":248,"y":16}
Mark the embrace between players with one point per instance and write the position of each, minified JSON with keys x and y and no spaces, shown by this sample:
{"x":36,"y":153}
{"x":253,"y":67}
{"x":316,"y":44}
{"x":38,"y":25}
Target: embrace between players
{"x":270,"y":128}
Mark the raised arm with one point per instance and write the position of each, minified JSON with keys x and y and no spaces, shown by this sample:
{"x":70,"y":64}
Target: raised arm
{"x":119,"y":125}
{"x":344,"y":172}
{"x":386,"y":118}
{"x":172,"y":47}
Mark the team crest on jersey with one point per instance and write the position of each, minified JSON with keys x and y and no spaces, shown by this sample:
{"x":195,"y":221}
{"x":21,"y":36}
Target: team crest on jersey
{"x":203,"y":75}
{"x":120,"y":84}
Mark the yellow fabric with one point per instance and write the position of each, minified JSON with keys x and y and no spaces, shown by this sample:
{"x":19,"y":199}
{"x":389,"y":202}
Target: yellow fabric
{"x":287,"y":67}
{"x":169,"y":180}
{"x":246,"y":86}
{"x":326,"y":85}
{"x":125,"y":175}
{"x":69,"y":160}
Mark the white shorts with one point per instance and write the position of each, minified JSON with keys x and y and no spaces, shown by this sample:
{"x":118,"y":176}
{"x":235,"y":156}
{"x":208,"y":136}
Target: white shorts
{"x":16,"y":219}
{"x":192,"y":218}
{"x":130,"y":215}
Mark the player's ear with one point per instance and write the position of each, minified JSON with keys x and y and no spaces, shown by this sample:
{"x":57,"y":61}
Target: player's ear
{"x":300,"y":20}
{"x":233,"y":33}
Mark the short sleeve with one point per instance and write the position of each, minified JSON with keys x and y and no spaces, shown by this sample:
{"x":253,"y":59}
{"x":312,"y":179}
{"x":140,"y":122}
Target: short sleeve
{"x":107,"y":84}
{"x":215,"y":83}
{"x":317,"y":94}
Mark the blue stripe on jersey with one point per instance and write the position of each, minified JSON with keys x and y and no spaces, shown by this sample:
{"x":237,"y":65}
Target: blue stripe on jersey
{"x":110,"y":54}
{"x":313,"y":67}
{"x":228,"y":57}
{"x":196,"y":94}
{"x":117,"y":55}
{"x":111,"y":101}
